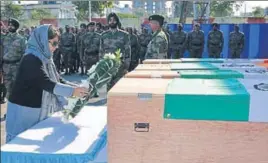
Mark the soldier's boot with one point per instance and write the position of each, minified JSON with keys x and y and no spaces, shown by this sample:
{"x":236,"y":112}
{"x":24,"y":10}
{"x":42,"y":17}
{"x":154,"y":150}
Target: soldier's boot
{"x":67,"y":71}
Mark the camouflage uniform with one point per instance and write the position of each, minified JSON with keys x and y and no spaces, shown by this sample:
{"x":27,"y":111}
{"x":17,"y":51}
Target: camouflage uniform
{"x":178,"y":43}
{"x":2,"y":86}
{"x":236,"y":43}
{"x":90,"y":49}
{"x":99,"y":31}
{"x":196,"y":41}
{"x":134,"y":51}
{"x":168,"y":35}
{"x":57,"y":59}
{"x":158,"y":46}
{"x":215,"y":43}
{"x":14,"y":48}
{"x":78,"y":48}
{"x":110,"y":42}
{"x":67,"y":47}
{"x":144,"y":40}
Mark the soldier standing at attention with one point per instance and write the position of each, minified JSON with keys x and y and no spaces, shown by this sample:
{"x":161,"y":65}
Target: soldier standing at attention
{"x":14,"y":47}
{"x":134,"y":49}
{"x":144,"y":39}
{"x":67,"y":47}
{"x":113,"y":40}
{"x":196,"y":42}
{"x":179,"y":42}
{"x":78,"y":45}
{"x":158,"y":46}
{"x":236,"y":42}
{"x":99,"y":28}
{"x":90,"y":47}
{"x":215,"y":42}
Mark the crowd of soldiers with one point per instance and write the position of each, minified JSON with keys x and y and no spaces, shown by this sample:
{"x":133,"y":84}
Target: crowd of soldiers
{"x":80,"y":48}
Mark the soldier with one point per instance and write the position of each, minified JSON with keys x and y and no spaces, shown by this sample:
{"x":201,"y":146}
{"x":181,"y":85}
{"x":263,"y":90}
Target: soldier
{"x":113,"y":40}
{"x":2,"y":86}
{"x":144,"y":39}
{"x":178,"y":42}
{"x":236,"y":42}
{"x":134,"y":49}
{"x":67,"y":47}
{"x":215,"y":42}
{"x":90,"y":45}
{"x":14,"y":47}
{"x":78,"y":45}
{"x":196,"y":42}
{"x":158,"y":46}
{"x":99,"y":28}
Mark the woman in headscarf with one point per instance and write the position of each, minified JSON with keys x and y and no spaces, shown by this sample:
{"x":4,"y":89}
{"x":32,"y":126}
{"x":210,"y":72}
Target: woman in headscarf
{"x":38,"y":90}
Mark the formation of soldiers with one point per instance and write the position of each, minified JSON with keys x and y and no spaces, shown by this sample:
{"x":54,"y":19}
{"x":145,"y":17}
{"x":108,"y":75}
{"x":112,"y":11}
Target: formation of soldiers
{"x":80,"y":48}
{"x":194,"y":42}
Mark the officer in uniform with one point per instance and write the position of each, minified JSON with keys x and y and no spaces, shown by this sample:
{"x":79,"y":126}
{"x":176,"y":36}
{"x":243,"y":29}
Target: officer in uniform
{"x":179,"y":42}
{"x":158,"y":46}
{"x":215,"y":42}
{"x":144,"y":39}
{"x":196,"y":42}
{"x":14,"y":47}
{"x":236,"y":42}
{"x":113,"y":40}
{"x":83,"y":29}
{"x":90,"y":47}
{"x":67,"y":47}
{"x":134,"y":49}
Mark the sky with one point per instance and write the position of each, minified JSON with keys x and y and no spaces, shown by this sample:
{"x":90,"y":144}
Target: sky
{"x":247,"y":6}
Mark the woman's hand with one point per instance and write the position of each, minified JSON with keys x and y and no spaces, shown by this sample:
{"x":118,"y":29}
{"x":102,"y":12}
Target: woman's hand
{"x":80,"y":92}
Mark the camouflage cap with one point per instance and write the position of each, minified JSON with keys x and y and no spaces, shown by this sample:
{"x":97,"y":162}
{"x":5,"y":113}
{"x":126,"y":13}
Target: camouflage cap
{"x":158,"y":18}
{"x":14,"y":22}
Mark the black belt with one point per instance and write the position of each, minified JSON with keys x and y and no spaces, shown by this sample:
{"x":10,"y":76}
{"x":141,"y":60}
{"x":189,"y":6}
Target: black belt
{"x":11,"y":62}
{"x":196,"y":44}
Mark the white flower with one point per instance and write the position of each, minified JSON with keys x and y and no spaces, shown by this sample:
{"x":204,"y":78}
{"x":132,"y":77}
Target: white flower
{"x":109,"y":56}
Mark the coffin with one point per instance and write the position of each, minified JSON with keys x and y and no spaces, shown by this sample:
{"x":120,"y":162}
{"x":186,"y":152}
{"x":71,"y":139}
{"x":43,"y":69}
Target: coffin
{"x":188,"y":121}
{"x":210,"y":74}
{"x":153,"y":74}
{"x":211,"y":60}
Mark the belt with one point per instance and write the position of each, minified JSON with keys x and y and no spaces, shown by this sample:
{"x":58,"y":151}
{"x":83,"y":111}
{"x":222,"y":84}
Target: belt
{"x":197,"y":44}
{"x":11,"y":62}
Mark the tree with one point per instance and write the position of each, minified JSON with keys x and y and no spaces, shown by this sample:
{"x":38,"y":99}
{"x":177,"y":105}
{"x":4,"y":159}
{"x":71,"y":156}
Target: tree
{"x":96,"y":7}
{"x":39,"y":14}
{"x":11,"y":10}
{"x":224,"y":8}
{"x":122,"y":15}
{"x":258,"y":11}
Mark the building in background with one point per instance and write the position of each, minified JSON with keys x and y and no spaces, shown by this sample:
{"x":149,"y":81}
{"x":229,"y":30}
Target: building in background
{"x":150,"y":6}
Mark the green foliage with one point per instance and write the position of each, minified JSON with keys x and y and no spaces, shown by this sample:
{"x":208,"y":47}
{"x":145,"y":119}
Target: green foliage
{"x":224,"y":8}
{"x":258,"y":12}
{"x":39,"y":14}
{"x":11,"y":10}
{"x":122,"y":15}
{"x":96,"y":7}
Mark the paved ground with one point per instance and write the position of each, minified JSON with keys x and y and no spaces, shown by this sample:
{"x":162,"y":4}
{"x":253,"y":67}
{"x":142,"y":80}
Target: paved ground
{"x":74,"y":78}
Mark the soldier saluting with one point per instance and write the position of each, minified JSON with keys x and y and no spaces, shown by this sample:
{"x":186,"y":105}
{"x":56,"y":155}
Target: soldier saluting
{"x":158,"y":46}
{"x":215,"y":42}
{"x":236,"y":42}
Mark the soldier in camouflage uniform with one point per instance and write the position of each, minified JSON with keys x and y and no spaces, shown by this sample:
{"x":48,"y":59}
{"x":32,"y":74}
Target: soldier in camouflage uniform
{"x":67,"y":47}
{"x":168,"y":35}
{"x":144,"y":39}
{"x":178,"y":42}
{"x":215,"y":42}
{"x":2,"y":85}
{"x":90,"y":45}
{"x":14,"y":48}
{"x":113,"y":40}
{"x":196,"y":42}
{"x":236,"y":42}
{"x":99,"y":28}
{"x":78,"y":45}
{"x":134,"y":49}
{"x":158,"y":46}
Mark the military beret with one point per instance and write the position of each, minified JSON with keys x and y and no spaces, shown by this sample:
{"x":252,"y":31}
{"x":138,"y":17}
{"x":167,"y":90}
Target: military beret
{"x":158,"y":18}
{"x":83,"y":25}
{"x":215,"y":24}
{"x":197,"y":24}
{"x":91,"y":24}
{"x":99,"y":24}
{"x":14,"y":22}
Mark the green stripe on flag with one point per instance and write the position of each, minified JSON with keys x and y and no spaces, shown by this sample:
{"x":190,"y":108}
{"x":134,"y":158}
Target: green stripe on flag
{"x":210,"y":74}
{"x":207,"y":99}
{"x":192,"y":66}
